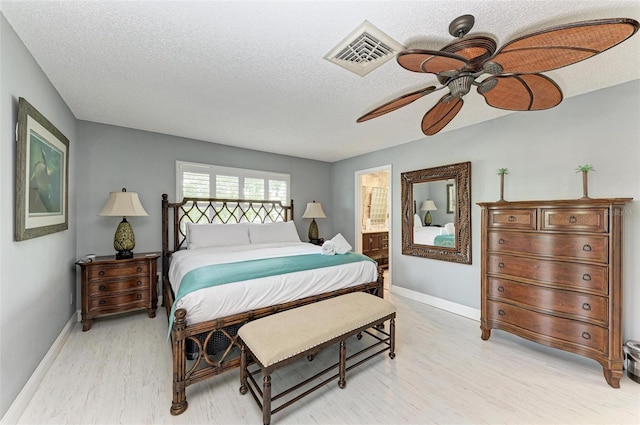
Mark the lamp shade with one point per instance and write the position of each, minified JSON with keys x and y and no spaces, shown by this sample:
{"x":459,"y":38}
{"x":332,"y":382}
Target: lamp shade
{"x":314,"y":210}
{"x":123,"y":204}
{"x":428,"y":205}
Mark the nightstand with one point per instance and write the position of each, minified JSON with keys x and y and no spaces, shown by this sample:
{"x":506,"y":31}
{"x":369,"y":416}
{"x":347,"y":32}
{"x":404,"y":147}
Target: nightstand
{"x":318,"y":242}
{"x":115,"y":286}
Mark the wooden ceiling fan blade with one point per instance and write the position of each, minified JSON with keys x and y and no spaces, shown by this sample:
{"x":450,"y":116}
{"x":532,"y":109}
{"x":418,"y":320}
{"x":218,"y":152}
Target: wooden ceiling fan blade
{"x":430,"y":61}
{"x":564,"y":45}
{"x":441,"y":114}
{"x":525,"y":92}
{"x":396,"y":103}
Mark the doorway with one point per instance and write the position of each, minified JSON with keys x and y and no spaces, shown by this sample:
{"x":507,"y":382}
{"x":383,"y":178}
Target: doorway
{"x":373,"y":216}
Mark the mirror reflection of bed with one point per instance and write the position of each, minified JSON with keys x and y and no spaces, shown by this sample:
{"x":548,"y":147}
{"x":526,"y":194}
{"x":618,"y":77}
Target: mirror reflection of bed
{"x":433,"y":220}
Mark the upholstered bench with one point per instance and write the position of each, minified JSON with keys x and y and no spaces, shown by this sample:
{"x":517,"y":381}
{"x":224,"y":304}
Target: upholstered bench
{"x":282,"y":338}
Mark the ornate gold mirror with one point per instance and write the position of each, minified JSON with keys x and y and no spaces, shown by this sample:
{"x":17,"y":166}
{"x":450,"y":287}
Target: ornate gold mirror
{"x":436,"y":213}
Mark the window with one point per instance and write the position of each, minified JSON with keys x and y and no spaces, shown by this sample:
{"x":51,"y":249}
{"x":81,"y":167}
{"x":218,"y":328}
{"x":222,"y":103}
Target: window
{"x":214,"y":181}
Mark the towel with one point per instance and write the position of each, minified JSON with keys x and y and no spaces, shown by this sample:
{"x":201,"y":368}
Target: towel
{"x":328,"y":248}
{"x":341,"y":244}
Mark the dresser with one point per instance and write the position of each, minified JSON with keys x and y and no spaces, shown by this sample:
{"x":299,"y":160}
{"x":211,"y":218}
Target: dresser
{"x":375,"y":245}
{"x":552,"y":273}
{"x":115,"y":286}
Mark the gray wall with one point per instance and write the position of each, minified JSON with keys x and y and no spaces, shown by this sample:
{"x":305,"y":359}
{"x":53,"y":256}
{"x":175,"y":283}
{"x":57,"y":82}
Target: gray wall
{"x":37,"y":276}
{"x":115,"y":157}
{"x":541,"y":150}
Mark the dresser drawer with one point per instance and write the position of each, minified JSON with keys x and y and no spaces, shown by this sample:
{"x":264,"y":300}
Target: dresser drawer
{"x":587,"y":247}
{"x":564,"y":330}
{"x":106,"y":271}
{"x":576,"y":219}
{"x":592,"y":308}
{"x":98,"y":288}
{"x":557,"y":273}
{"x":513,"y":218}
{"x":119,"y":300}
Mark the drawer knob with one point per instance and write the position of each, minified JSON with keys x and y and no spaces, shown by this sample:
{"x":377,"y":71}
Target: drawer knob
{"x":501,"y":241}
{"x":586,"y":247}
{"x":138,"y":283}
{"x":501,"y":312}
{"x":500,"y":288}
{"x":586,"y":306}
{"x":501,"y":265}
{"x":101,"y":273}
{"x":586,"y":277}
{"x":102,"y":302}
{"x":139,"y":296}
{"x":102,"y":287}
{"x":139,"y":269}
{"x":512,"y":218}
{"x":573,"y":219}
{"x":586,"y":335}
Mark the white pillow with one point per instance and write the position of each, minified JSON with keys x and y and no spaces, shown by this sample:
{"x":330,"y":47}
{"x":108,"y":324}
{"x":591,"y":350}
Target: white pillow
{"x":205,"y":235}
{"x":416,"y":221}
{"x":281,"y":231}
{"x":450,"y":229}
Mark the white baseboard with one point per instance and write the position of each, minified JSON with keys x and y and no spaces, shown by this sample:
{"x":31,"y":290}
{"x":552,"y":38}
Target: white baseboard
{"x":26,"y":394}
{"x":459,"y":309}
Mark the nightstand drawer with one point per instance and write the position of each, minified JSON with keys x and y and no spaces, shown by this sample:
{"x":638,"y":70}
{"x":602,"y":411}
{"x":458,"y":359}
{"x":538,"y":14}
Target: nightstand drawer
{"x":119,"y":301}
{"x":108,"y":271}
{"x":98,"y":288}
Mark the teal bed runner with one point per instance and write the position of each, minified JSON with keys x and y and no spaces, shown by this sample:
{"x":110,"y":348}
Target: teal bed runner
{"x":221,"y":274}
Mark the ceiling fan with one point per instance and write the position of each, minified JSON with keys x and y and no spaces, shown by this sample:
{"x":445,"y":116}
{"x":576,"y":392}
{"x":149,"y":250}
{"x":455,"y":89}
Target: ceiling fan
{"x":514,"y":80}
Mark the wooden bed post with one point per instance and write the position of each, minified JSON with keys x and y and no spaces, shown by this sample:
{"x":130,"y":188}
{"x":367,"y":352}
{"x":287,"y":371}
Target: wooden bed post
{"x":179,"y":403}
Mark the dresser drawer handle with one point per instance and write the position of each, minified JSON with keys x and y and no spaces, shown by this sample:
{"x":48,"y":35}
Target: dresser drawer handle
{"x":501,"y":265}
{"x":139,"y":296}
{"x":573,"y":219}
{"x":586,"y":247}
{"x":586,"y":306}
{"x":139,"y":269}
{"x":586,"y":335}
{"x":102,"y":287}
{"x":501,"y":241}
{"x":500,"y":288}
{"x":501,"y":312}
{"x":586,"y":277}
{"x":512,"y":218}
{"x":138,"y":283}
{"x":101,"y":273}
{"x":102,"y":302}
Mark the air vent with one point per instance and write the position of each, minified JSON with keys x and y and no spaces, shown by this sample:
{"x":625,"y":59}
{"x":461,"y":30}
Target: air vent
{"x":365,"y":49}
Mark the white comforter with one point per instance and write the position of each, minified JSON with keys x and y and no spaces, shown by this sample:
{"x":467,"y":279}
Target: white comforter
{"x":238,"y":297}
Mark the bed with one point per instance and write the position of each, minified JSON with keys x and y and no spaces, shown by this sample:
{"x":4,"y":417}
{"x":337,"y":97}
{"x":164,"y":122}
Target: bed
{"x":207,"y":238}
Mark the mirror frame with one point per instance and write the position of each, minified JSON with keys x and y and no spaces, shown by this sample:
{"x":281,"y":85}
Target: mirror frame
{"x":461,"y":174}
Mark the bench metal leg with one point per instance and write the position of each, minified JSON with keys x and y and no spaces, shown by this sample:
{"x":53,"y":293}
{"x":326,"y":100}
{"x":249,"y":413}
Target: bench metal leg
{"x":266,"y":400}
{"x":392,"y":338}
{"x":243,"y":369}
{"x":342,"y":382}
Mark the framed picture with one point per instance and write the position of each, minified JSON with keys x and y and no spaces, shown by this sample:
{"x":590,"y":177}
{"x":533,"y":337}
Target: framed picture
{"x":451,"y":199}
{"x":42,"y":175}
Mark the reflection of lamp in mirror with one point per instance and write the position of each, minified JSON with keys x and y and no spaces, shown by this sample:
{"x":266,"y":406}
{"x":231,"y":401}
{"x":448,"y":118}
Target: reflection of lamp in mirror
{"x":428,"y":205}
{"x":123,"y":204}
{"x":313,"y":211}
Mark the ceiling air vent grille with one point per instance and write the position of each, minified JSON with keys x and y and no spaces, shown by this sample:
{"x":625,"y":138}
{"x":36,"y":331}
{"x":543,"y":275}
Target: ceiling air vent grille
{"x":365,"y":49}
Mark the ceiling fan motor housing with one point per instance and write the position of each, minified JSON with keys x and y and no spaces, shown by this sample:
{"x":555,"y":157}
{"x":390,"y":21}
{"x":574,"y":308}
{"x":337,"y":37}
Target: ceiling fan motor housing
{"x":460,"y":86}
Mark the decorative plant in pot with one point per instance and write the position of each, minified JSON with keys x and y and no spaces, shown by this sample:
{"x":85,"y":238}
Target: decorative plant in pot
{"x":585,"y":184}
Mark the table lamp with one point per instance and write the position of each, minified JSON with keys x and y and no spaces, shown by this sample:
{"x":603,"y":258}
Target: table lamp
{"x":428,"y":205}
{"x":123,"y":204}
{"x":313,"y":211}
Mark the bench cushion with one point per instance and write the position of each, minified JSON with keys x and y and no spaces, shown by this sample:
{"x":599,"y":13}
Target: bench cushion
{"x":280,"y":336}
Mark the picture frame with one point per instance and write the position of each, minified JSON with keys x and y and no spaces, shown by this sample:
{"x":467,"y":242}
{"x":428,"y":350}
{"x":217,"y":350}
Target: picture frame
{"x":451,"y":199}
{"x":42,"y":175}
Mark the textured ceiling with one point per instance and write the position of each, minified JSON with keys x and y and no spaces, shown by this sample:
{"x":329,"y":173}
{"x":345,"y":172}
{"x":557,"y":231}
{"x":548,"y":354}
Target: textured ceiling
{"x":252,"y":74}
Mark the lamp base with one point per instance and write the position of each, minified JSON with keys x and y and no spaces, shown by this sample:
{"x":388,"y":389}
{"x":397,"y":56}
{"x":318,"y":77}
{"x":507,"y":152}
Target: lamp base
{"x":427,"y":219}
{"x":123,"y":255}
{"x":313,"y":230}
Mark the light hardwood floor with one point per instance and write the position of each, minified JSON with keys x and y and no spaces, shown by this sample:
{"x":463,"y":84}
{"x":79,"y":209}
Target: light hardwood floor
{"x":120,"y":373}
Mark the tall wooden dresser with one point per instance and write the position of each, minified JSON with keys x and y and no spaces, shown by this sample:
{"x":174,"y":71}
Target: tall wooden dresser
{"x":552,"y":273}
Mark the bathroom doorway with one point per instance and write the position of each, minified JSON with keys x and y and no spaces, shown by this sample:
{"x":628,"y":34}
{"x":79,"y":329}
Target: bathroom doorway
{"x":373,"y":216}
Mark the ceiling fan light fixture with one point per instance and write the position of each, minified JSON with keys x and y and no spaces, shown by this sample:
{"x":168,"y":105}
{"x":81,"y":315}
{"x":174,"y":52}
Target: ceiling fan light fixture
{"x":460,"y":86}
